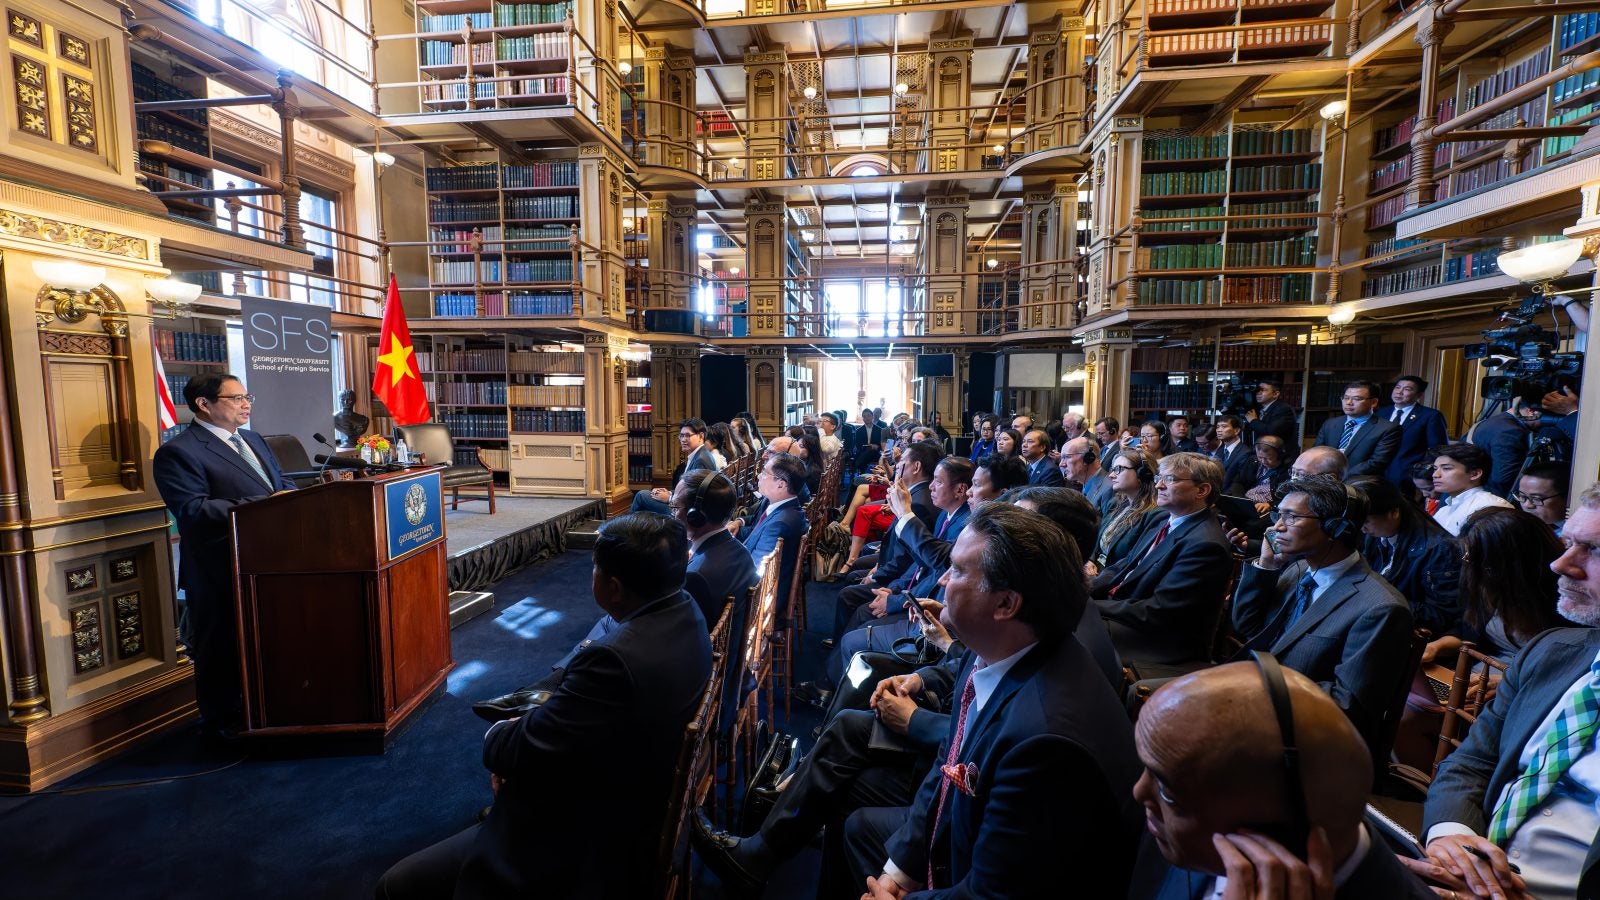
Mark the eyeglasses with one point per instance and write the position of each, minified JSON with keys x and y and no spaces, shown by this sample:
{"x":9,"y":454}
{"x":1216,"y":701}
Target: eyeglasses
{"x":238,"y":398}
{"x":1288,"y":518}
{"x":1168,"y":478}
{"x":1535,"y":499}
{"x":1118,"y":470}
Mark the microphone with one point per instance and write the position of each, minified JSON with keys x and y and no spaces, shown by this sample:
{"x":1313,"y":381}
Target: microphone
{"x":338,"y":462}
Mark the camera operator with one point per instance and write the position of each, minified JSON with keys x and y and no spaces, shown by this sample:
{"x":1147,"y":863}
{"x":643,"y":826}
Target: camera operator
{"x":1506,"y":437}
{"x":1272,"y":415}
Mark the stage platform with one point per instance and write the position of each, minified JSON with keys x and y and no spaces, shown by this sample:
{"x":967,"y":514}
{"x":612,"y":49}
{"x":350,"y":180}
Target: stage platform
{"x":483,"y":549}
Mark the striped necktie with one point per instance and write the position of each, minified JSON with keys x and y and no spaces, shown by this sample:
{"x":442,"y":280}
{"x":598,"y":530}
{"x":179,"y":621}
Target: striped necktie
{"x":244,"y":452}
{"x":1349,"y":434}
{"x":969,"y":693}
{"x":1569,"y":737}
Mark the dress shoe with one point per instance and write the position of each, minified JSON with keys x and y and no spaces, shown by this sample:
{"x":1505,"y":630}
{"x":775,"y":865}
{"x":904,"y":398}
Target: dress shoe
{"x":810,"y":693}
{"x":509,"y":706}
{"x":827,"y":643}
{"x":720,"y":851}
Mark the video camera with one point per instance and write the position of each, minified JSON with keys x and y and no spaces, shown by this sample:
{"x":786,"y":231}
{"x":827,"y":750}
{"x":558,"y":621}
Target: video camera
{"x":1523,"y":358}
{"x":1235,"y":396}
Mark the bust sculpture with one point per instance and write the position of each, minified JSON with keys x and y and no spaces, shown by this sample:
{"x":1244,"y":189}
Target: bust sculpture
{"x":349,"y":423}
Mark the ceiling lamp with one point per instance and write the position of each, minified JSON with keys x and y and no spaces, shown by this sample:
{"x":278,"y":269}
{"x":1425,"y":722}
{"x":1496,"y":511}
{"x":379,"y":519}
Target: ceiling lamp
{"x":901,"y":88}
{"x":1333,"y":109}
{"x":1539,"y":263}
{"x":1341,"y":314}
{"x":993,"y":264}
{"x":383,"y":158}
{"x":734,"y":271}
{"x":624,"y":68}
{"x":810,"y":93}
{"x":998,"y":149}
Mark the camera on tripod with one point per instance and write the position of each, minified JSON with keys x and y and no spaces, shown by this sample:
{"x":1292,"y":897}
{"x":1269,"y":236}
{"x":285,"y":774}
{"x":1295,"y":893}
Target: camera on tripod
{"x":1522,"y":356}
{"x":1235,"y":396}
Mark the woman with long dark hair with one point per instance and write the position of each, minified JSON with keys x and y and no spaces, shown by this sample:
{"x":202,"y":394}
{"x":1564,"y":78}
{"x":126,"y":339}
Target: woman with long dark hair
{"x":724,"y":449}
{"x":1508,"y":590}
{"x":1411,"y":552}
{"x":983,"y":438}
{"x":754,"y":431}
{"x":1008,"y":442}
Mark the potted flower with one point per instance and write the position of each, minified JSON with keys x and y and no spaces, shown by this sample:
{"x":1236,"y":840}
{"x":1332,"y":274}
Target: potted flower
{"x":375,"y":449}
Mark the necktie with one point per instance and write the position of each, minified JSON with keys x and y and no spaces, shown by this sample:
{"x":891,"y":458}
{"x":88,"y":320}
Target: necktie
{"x":1160,"y":536}
{"x":968,"y":694}
{"x":1397,"y":415}
{"x":247,"y":456}
{"x":1302,"y":600}
{"x":1568,"y":738}
{"x":1349,"y":433}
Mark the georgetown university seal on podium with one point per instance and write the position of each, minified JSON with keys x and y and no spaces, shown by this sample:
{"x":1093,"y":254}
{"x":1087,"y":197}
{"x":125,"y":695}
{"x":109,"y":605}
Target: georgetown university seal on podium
{"x":416,"y":504}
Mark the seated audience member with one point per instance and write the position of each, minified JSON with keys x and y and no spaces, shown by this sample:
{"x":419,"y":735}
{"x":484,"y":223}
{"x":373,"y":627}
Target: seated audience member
{"x":719,"y":440}
{"x":1225,"y":816}
{"x":1132,"y":512}
{"x":983,"y":443}
{"x":696,"y":455}
{"x":1422,"y":479}
{"x":1507,"y":587}
{"x":1205,"y":439}
{"x":1022,"y":422}
{"x":1272,"y":469}
{"x":1319,"y":460}
{"x":1080,"y":466}
{"x":1163,"y":600}
{"x":808,"y":447}
{"x":778,"y":516}
{"x":828,"y":437}
{"x":916,"y":470}
{"x":1008,"y":442}
{"x":1036,"y":454}
{"x":936,"y":422}
{"x":741,"y":436}
{"x":598,"y":757}
{"x":1107,"y":430}
{"x":1412,"y":553}
{"x":1036,"y":731}
{"x":719,"y":567}
{"x":1154,"y":434}
{"x":1313,"y":603}
{"x":1182,"y":441}
{"x":993,"y":476}
{"x":1542,"y":492}
{"x":1459,"y":471}
{"x":1522,"y":784}
{"x":1073,"y":425}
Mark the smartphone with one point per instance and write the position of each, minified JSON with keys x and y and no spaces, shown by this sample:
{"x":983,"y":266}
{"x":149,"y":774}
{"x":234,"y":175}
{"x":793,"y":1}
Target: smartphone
{"x":922,"y":613}
{"x":1271,"y":537}
{"x":1134,"y":442}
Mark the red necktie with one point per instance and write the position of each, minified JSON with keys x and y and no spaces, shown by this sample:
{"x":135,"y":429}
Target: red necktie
{"x":968,"y":693}
{"x":1160,"y":536}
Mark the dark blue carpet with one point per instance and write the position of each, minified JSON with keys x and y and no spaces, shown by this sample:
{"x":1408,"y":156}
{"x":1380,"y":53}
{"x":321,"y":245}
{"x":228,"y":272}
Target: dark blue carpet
{"x":322,"y":827}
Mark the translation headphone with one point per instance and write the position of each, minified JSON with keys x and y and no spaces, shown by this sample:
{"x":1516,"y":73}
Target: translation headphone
{"x":1348,"y":522}
{"x":1294,"y":784}
{"x":694,"y":515}
{"x":1141,"y":467}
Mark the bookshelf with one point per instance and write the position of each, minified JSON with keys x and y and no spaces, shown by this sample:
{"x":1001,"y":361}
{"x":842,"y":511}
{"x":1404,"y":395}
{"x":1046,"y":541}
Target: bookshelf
{"x":198,"y":347}
{"x":799,"y":392}
{"x":480,"y":54}
{"x":641,"y":464}
{"x":1192,"y":251}
{"x":186,"y":129}
{"x":1181,"y":32}
{"x":501,"y":238}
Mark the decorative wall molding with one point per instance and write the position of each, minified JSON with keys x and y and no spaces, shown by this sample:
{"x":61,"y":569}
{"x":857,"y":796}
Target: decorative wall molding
{"x":268,"y":140}
{"x":68,"y":234}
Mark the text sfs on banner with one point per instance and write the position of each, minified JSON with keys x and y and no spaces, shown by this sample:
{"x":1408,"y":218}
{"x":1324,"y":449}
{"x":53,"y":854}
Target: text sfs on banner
{"x":288,"y":351}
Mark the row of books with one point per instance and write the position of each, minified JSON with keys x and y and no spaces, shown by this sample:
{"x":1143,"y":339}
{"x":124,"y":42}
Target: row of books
{"x":1203,"y":146}
{"x":176,"y":173}
{"x":1530,"y":113}
{"x":1188,"y":219}
{"x":1179,"y":256}
{"x":465,"y":271}
{"x":1390,"y":245}
{"x":1268,"y":289}
{"x":1266,"y":143}
{"x":450,"y":305}
{"x":555,"y":173}
{"x":638,"y":395}
{"x":1168,"y":184}
{"x":1301,"y":251}
{"x":481,"y":177}
{"x":554,"y":206}
{"x":535,"y":271}
{"x":448,"y":91}
{"x":466,"y":240}
{"x":1278,"y":178}
{"x":1573,"y":85}
{"x":1165,"y":291}
{"x":446,"y":211}
{"x":1275,"y":214}
{"x":639,"y":422}
{"x":1391,"y":173}
{"x":148,"y":87}
{"x":450,"y":53}
{"x":531,"y":13}
{"x":471,"y":392}
{"x":1555,"y":145}
{"x":184,"y":137}
{"x":547,"y":421}
{"x":427,"y":23}
{"x":535,"y":46}
{"x":1384,"y":212}
{"x":1401,"y":282}
{"x":492,"y":176}
{"x":1171,"y":396}
{"x":638,"y":445}
{"x":527,"y":87}
{"x":550,"y":238}
{"x":537,"y":362}
{"x":1511,"y":77}
{"x":1175,"y":359}
{"x":1481,"y":175}
{"x":486,"y":359}
{"x":191,"y":346}
{"x":474,"y":425}
{"x":1366,"y":355}
{"x":175,"y":386}
{"x":1400,"y":133}
{"x":1261,"y":356}
{"x":1476,"y":264}
{"x":546,"y":395}
{"x":639,"y":474}
{"x":1575,"y":29}
{"x":495,"y":457}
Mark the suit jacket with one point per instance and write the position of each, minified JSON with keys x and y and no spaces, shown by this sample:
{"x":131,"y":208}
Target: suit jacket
{"x":1371,"y":450}
{"x":1354,"y":640}
{"x":1238,"y":469}
{"x":1506,"y":441}
{"x":1046,"y":472}
{"x":1280,"y":421}
{"x":721,"y":567}
{"x":930,"y":555}
{"x":201,"y":478}
{"x":1098,"y":491}
{"x":1133,"y":535}
{"x":1169,"y":602}
{"x":787,"y":522}
{"x":1427,"y":571}
{"x":1421,"y":430}
{"x":1471,"y":779}
{"x":1052,"y":737}
{"x":894,"y":559}
{"x":1379,"y":874}
{"x":596,"y":758}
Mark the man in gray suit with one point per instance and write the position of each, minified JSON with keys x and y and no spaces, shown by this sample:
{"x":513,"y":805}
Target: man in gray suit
{"x":1315,"y":605}
{"x":1519,"y":785}
{"x":1367,"y":440}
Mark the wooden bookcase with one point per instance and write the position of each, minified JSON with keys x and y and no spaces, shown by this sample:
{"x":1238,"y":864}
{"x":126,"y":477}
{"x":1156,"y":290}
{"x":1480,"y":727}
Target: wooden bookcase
{"x":188,"y":129}
{"x":480,"y":54}
{"x":189,"y":347}
{"x":641,"y":464}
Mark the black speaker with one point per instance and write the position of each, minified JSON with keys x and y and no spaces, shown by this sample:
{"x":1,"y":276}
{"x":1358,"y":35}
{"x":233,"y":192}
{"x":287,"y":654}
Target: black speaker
{"x":669,"y":321}
{"x":936,"y":365}
{"x":979,"y":395}
{"x":724,"y":390}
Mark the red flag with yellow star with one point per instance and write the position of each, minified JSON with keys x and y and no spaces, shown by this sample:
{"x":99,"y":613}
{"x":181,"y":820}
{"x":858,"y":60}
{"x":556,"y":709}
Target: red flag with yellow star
{"x":396,"y":379}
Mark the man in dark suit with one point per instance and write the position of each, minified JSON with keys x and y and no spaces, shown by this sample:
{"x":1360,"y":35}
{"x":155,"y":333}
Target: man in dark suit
{"x":779,"y":516}
{"x":1505,"y":436}
{"x":1421,"y":427}
{"x":212,"y":466}
{"x":1036,"y":453}
{"x":1367,"y":441}
{"x":1219,"y":803}
{"x":1162,"y":602}
{"x":597,"y":758}
{"x":1273,"y":416}
{"x":866,"y":441}
{"x":1523,"y":782}
{"x":1080,"y":465}
{"x":1314,"y":604}
{"x":1235,"y":455}
{"x":915,"y":469}
{"x":696,"y":455}
{"x":1178,"y":427}
{"x":1036,"y":730}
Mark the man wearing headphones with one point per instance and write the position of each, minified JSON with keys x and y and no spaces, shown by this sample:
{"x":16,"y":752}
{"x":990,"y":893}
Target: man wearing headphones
{"x":719,"y":566}
{"x":1312,"y":602}
{"x":1080,"y":465}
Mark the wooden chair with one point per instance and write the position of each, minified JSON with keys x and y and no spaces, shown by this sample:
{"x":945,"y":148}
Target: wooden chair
{"x":1383,"y":741}
{"x":752,"y":662}
{"x":434,"y":441}
{"x":795,"y":621}
{"x":1466,"y":699}
{"x":692,"y":778}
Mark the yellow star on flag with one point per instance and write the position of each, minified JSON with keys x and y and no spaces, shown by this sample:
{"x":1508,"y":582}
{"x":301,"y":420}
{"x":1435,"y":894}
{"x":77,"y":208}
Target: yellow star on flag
{"x":398,"y":359}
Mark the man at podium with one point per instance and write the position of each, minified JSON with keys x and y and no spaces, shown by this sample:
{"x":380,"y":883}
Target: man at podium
{"x":211,"y":467}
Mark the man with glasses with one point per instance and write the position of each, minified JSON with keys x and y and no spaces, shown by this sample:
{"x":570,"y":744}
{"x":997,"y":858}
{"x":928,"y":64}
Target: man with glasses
{"x":696,"y":455}
{"x":1162,"y":601}
{"x":1542,"y":492}
{"x":1367,"y":441}
{"x":1312,"y":602}
{"x":211,"y":467}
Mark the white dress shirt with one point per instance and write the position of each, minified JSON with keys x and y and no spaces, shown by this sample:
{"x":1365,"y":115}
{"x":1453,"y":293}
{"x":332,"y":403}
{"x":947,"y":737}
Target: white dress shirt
{"x":1453,"y":515}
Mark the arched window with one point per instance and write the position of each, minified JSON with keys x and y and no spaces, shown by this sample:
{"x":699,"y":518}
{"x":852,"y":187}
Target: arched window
{"x":865,"y":170}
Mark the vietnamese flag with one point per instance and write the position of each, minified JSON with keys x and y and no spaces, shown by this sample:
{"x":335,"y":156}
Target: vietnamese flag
{"x":396,"y":379}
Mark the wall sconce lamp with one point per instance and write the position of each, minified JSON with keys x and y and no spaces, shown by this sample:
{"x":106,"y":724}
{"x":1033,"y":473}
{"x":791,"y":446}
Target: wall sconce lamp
{"x":901,"y":89}
{"x":383,"y":158}
{"x":69,"y":291}
{"x":1340,"y":315}
{"x":734,"y":271}
{"x":993,"y":264}
{"x":624,"y":68}
{"x":810,"y":93}
{"x":998,"y":149}
{"x":1539,"y":265}
{"x":1333,"y":109}
{"x":176,"y":296}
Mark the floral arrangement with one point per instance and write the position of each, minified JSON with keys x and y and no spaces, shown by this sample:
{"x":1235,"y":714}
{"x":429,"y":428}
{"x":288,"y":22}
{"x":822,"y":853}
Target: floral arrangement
{"x":377,"y":443}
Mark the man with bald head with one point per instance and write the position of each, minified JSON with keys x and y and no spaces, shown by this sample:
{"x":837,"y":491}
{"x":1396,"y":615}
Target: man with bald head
{"x":1320,"y":461}
{"x":1221,"y":807}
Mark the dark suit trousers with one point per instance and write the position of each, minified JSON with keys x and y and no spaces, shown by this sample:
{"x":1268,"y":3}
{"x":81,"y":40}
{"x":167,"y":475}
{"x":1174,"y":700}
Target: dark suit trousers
{"x":429,"y":873}
{"x":213,"y":640}
{"x":851,"y":598}
{"x":866,"y":844}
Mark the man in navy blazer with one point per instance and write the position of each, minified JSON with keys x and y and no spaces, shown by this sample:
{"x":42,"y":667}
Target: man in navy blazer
{"x":1273,"y":415}
{"x":1421,"y":427}
{"x":1036,"y":453}
{"x":696,"y":456}
{"x":1035,"y":730}
{"x":779,"y":516}
{"x":1506,"y":436}
{"x":1315,"y":605}
{"x":915,"y":469}
{"x":1554,"y":840}
{"x":1163,"y":601}
{"x":927,"y":548}
{"x":581,"y":782}
{"x":1213,"y":756}
{"x":212,"y":466}
{"x":1236,"y":456}
{"x":1368,"y":441}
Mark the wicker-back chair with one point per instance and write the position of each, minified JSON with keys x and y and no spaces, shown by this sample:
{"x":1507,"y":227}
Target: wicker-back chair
{"x":1466,"y":700}
{"x":692,"y":778}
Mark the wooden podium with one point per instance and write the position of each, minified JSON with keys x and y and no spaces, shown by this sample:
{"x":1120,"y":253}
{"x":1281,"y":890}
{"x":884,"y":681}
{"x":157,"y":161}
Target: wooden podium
{"x":343,"y":605}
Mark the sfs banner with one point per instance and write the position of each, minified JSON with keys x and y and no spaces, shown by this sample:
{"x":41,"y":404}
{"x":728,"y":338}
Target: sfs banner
{"x":288,"y":351}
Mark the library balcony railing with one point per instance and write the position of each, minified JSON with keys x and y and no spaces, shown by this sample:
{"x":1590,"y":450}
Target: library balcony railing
{"x":491,"y":299}
{"x":719,"y":11}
